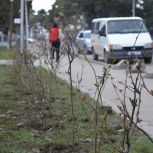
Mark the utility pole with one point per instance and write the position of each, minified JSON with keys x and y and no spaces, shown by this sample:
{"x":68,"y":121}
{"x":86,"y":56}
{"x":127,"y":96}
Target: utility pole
{"x":133,"y":7}
{"x":21,"y":26}
{"x":26,"y":23}
{"x":11,"y":24}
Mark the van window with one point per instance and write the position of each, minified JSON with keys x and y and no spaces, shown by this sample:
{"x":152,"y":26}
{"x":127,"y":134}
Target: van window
{"x":97,"y":27}
{"x":81,"y":35}
{"x":93,"y":27}
{"x":103,"y":30}
{"x":126,"y":26}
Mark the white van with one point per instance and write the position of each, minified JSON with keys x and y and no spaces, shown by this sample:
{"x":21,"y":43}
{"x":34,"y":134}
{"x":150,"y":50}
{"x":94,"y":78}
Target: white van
{"x":121,"y":38}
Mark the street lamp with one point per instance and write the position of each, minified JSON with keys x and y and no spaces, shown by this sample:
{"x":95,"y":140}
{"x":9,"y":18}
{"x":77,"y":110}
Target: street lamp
{"x":11,"y":24}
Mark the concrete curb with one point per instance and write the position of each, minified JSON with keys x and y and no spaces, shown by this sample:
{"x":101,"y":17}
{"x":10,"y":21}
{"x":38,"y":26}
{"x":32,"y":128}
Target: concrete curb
{"x":6,"y":62}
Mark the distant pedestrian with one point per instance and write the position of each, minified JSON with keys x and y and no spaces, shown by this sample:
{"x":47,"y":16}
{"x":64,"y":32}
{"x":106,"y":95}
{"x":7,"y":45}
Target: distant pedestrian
{"x":54,"y":41}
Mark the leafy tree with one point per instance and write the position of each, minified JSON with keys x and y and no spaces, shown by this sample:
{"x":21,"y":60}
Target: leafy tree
{"x":41,"y":16}
{"x":102,"y":8}
{"x":92,"y":9}
{"x":148,"y":12}
{"x":5,"y":12}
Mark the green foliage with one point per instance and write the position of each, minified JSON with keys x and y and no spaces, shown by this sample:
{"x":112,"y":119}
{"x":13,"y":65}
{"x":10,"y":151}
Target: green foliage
{"x":21,"y":135}
{"x":5,"y":13}
{"x":148,"y":12}
{"x":11,"y":149}
{"x":142,"y":146}
{"x":62,"y":139}
{"x":102,"y":8}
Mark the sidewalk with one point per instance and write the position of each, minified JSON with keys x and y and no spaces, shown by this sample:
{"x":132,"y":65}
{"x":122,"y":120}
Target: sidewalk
{"x":6,"y":62}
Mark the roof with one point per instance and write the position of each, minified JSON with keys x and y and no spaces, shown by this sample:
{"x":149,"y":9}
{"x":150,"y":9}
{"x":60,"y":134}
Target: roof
{"x":117,"y":18}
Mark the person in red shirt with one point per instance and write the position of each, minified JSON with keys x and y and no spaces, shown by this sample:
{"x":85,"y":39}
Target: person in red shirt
{"x":54,"y":41}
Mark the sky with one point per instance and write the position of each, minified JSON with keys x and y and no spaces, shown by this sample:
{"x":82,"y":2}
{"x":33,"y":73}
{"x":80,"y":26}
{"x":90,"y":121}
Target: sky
{"x":42,"y":4}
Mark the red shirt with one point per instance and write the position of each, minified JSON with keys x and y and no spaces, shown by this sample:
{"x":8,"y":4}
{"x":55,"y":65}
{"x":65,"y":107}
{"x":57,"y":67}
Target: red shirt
{"x":53,"y":34}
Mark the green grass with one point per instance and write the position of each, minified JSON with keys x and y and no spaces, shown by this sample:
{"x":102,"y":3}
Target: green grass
{"x":5,"y":54}
{"x":143,"y":145}
{"x":19,"y":108}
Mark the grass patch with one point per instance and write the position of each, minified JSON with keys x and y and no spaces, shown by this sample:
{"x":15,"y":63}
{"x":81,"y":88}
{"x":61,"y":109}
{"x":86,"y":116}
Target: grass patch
{"x":142,"y":145}
{"x":28,"y":125}
{"x":5,"y":54}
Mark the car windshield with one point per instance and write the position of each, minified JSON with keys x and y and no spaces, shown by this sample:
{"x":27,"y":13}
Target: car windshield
{"x":87,"y":35}
{"x":126,"y":26}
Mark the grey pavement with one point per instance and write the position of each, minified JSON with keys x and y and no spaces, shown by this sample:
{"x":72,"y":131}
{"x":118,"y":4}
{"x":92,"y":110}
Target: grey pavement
{"x":6,"y":62}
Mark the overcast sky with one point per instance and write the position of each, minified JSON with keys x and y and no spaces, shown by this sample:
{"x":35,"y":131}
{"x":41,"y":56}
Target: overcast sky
{"x":42,"y":4}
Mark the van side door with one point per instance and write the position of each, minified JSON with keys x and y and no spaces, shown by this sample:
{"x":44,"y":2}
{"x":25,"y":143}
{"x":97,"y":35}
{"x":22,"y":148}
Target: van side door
{"x":95,"y":35}
{"x":102,"y":39}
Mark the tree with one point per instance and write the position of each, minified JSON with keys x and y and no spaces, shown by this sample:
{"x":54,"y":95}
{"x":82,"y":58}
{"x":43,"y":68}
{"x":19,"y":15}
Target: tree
{"x":148,"y":12}
{"x":5,"y":12}
{"x":41,"y":16}
{"x":92,"y":9}
{"x":103,"y":8}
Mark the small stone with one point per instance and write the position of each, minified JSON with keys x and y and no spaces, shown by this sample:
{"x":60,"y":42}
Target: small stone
{"x":3,"y":116}
{"x":118,"y":128}
{"x":36,"y":150}
{"x":17,"y":114}
{"x":87,"y":140}
{"x":107,"y":109}
{"x":20,"y":125}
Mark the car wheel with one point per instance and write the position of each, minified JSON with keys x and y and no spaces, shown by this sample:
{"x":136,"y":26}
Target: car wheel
{"x":95,"y":56}
{"x":148,"y":59}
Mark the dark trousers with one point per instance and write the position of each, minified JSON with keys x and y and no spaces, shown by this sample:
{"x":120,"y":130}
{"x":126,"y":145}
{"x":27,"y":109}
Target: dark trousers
{"x":55,"y":48}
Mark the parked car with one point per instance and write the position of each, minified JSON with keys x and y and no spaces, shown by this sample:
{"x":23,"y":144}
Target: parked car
{"x":121,"y":38}
{"x":83,"y":40}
